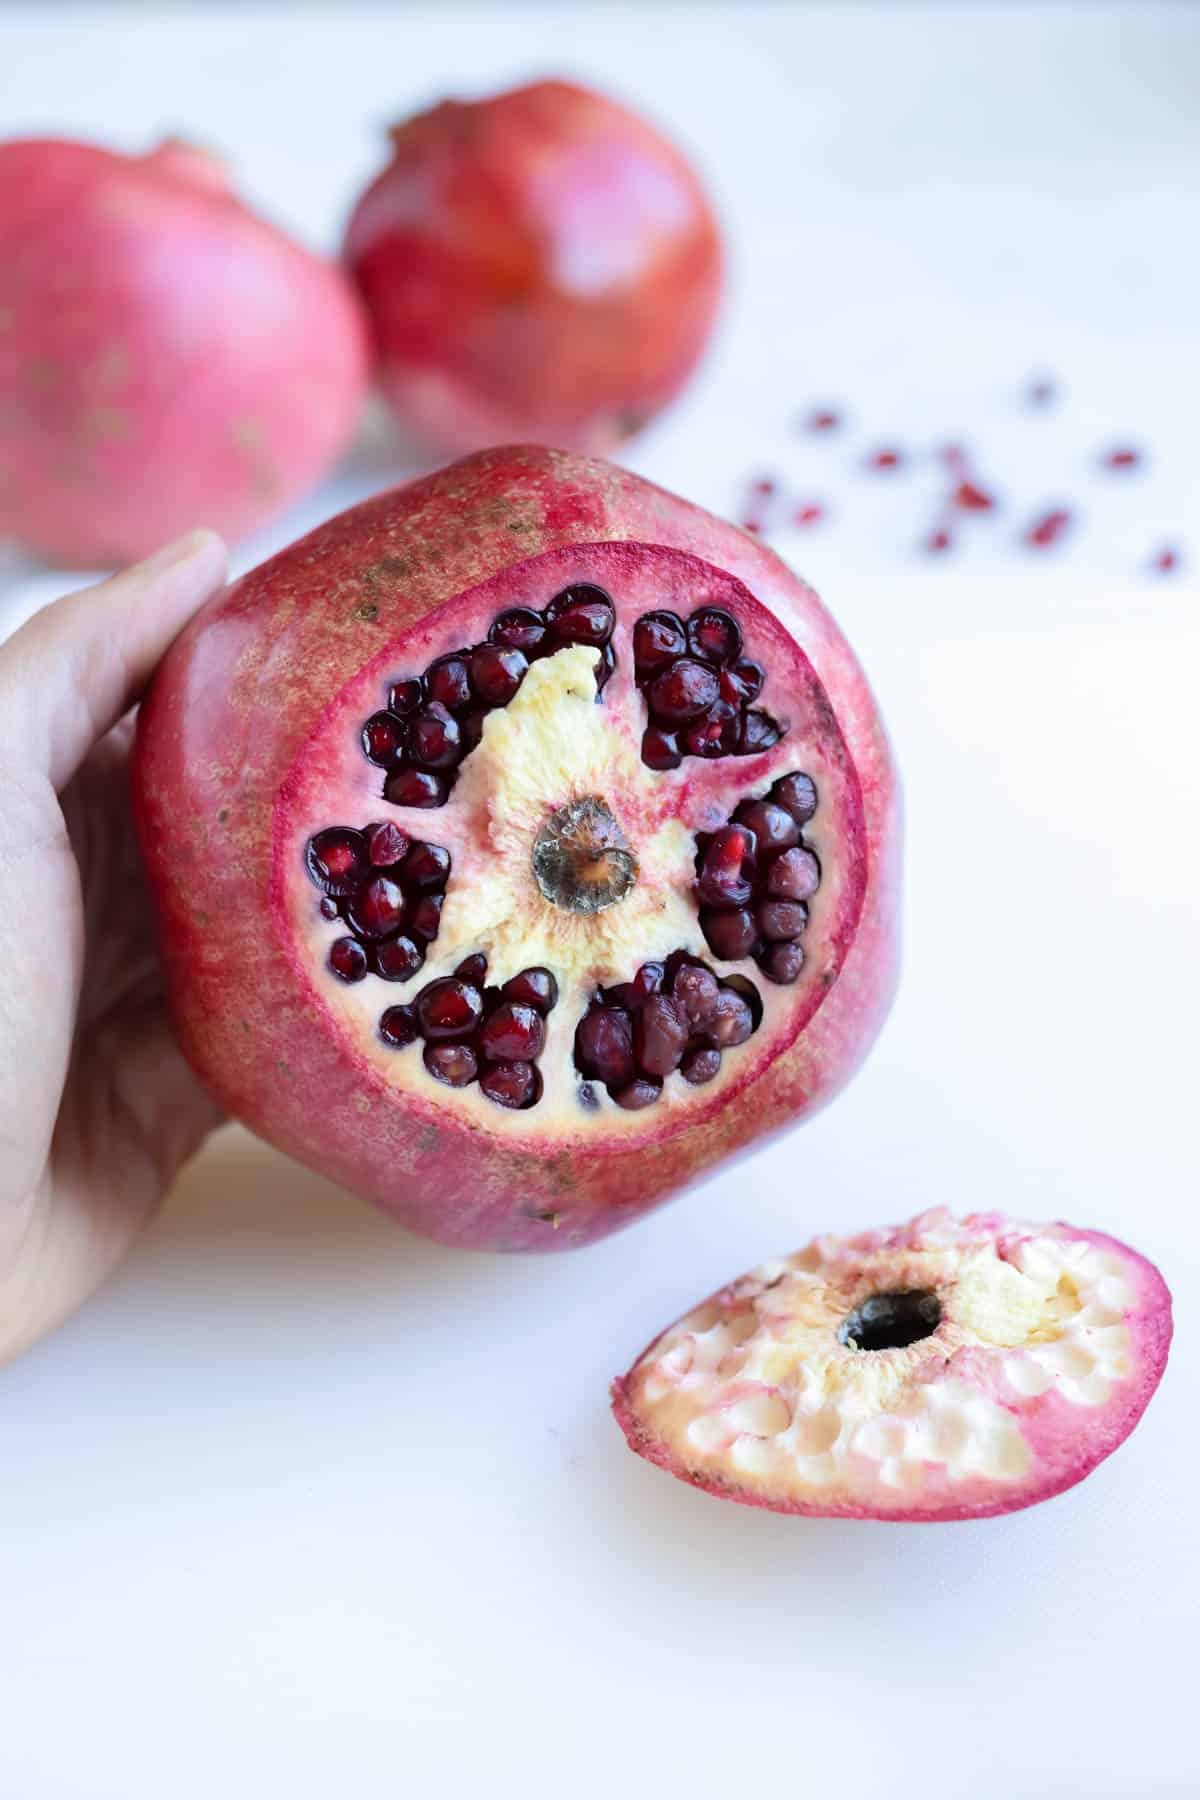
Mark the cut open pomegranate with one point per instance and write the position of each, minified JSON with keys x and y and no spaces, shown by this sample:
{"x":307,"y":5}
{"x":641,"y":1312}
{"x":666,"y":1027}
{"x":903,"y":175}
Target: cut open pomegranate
{"x":524,"y":843}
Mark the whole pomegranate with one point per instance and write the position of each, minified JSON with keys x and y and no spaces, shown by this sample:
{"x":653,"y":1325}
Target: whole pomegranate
{"x":167,"y":359}
{"x":542,"y":264}
{"x":525,"y":843}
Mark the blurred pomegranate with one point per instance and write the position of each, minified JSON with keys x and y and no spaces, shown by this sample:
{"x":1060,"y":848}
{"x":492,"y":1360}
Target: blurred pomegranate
{"x":542,"y":265}
{"x":167,"y":359}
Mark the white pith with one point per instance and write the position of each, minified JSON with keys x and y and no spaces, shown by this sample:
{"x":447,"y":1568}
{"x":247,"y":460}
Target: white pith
{"x":755,"y":1387}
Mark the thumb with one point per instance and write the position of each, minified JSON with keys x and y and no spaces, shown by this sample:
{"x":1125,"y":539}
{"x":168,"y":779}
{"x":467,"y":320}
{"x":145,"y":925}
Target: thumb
{"x":78,"y":666}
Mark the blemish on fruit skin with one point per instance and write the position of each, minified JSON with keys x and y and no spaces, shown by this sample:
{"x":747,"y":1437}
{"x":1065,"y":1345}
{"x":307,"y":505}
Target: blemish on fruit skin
{"x":367,"y":611}
{"x":222,"y":815}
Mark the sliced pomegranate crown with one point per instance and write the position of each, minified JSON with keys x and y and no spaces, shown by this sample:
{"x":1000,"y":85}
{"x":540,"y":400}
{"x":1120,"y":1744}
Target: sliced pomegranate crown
{"x":600,"y":829}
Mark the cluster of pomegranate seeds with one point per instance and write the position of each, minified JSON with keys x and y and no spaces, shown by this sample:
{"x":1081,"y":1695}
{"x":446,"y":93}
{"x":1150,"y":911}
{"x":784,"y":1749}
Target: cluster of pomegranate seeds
{"x":432,"y":722}
{"x":754,"y":879}
{"x":673,"y":1015}
{"x":476,"y":1033}
{"x":388,"y":889}
{"x":698,"y":688}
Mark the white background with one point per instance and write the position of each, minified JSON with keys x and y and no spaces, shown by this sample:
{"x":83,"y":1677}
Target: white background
{"x":304,"y":1506}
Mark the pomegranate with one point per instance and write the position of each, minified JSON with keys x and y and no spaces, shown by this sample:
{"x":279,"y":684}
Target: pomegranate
{"x":541,"y":264}
{"x":167,"y":359}
{"x":460,"y":901}
{"x":944,"y":1369}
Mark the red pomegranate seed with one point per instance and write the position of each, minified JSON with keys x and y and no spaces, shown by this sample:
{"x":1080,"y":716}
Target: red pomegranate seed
{"x":383,"y":738}
{"x":781,"y":920}
{"x":731,"y":1022}
{"x":582,"y":615}
{"x":427,"y":866}
{"x":377,"y":909}
{"x":743,"y":682}
{"x":405,"y":697}
{"x":455,"y":1064}
{"x":449,"y":1008}
{"x":398,"y":1027}
{"x":952,"y":457}
{"x":348,"y":959}
{"x":448,"y":683}
{"x":701,"y":1065}
{"x":513,"y":1034}
{"x":648,"y":980}
{"x":723,"y":880}
{"x":885,"y":458}
{"x":810,"y":514}
{"x":759,"y":732}
{"x":683,"y":691}
{"x":415,"y":787}
{"x":472,"y":970}
{"x":753,"y":526}
{"x":1048,"y":529}
{"x":435,"y":737}
{"x":822,"y":419}
{"x":660,"y":749}
{"x":398,"y":959}
{"x":782,"y":963}
{"x":795,"y":875}
{"x":714,"y":635}
{"x":968,"y":496}
{"x":715,"y":735}
{"x":337,"y":859}
{"x":425,"y":918}
{"x":797,"y":794}
{"x":497,"y":673}
{"x":638,"y":1094}
{"x":695,"y":989}
{"x":386,"y":845}
{"x":730,"y":935}
{"x":939,"y":539}
{"x":533,"y":987}
{"x":604,"y":1045}
{"x":773,"y":826}
{"x":660,"y":1036}
{"x":658,"y":638}
{"x":1166,"y":560}
{"x":1122,"y":457}
{"x":519,"y":628}
{"x":512,"y":1084}
{"x":329,"y":907}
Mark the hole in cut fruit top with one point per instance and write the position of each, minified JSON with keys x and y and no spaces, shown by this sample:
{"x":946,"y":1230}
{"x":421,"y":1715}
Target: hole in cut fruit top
{"x":892,"y":1321}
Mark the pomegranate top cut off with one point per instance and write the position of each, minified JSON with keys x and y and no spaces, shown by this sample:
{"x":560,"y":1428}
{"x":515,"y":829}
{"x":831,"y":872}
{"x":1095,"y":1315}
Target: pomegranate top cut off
{"x":564,"y":867}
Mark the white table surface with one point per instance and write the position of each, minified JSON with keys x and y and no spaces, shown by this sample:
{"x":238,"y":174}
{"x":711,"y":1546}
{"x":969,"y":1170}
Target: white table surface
{"x":304,"y":1506}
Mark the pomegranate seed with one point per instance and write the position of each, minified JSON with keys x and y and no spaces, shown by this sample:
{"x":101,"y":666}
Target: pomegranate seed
{"x":427,"y":866}
{"x":1048,"y":529}
{"x":660,"y":1036}
{"x":604,"y":1044}
{"x":448,"y":682}
{"x":753,"y":526}
{"x":638,"y":1094}
{"x":415,"y":787}
{"x":605,"y":667}
{"x":714,"y":735}
{"x":377,"y":910}
{"x":701,"y":1065}
{"x":952,"y":457}
{"x":1041,"y":392}
{"x":939,"y":539}
{"x":797,"y":794}
{"x":497,"y":673}
{"x":823,"y":419}
{"x":1165,"y":560}
{"x":731,"y":1022}
{"x":337,"y":860}
{"x":449,"y":1008}
{"x":695,"y":991}
{"x":648,"y":980}
{"x":435,"y":737}
{"x":455,"y":1064}
{"x":582,"y":615}
{"x":519,"y":628}
{"x":795,"y":875}
{"x":398,"y":959}
{"x":512,"y":1084}
{"x":513,"y":1034}
{"x":730,"y":935}
{"x":660,"y":749}
{"x":682,"y":692}
{"x":329,"y":907}
{"x":383,"y":738}
{"x":658,"y":638}
{"x":722,"y":880}
{"x":348,"y":959}
{"x":782,"y":963}
{"x":472,"y":970}
{"x":471,"y":725}
{"x":532,"y":987}
{"x":713,"y":635}
{"x":884,"y":459}
{"x":759,"y":732}
{"x":781,"y":920}
{"x":764,"y":487}
{"x":773,"y":826}
{"x":968,"y":496}
{"x":398,"y":1027}
{"x":810,"y":514}
{"x":405,"y":697}
{"x":742,"y":682}
{"x":425,"y":918}
{"x":1123,"y":457}
{"x":386,"y":845}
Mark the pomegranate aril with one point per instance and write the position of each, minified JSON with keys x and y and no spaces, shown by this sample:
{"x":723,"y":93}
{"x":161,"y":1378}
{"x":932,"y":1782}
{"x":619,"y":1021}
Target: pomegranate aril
{"x":329,"y":907}
{"x":637,"y":1095}
{"x":773,"y":826}
{"x":348,"y":959}
{"x":471,"y":726}
{"x":337,"y":860}
{"x":1046,"y":531}
{"x":449,"y":1008}
{"x":448,"y":682}
{"x":660,"y":1036}
{"x":648,"y":980}
{"x":885,"y":459}
{"x":513,"y":1033}
{"x":414,"y":787}
{"x":823,"y":419}
{"x":404,"y":697}
{"x":435,"y":737}
{"x":683,"y":691}
{"x":1123,"y":457}
{"x":604,"y":1045}
{"x":731,"y":1022}
{"x":425,"y":917}
{"x":455,"y":1064}
{"x":968,"y":496}
{"x":795,"y":875}
{"x":1165,"y":560}
{"x":512,"y":1084}
{"x":582,"y":615}
{"x":532,"y":987}
{"x":398,"y":1027}
{"x":952,"y":456}
{"x":695,"y":991}
{"x":426,"y":867}
{"x":605,"y":667}
{"x":939,"y":539}
{"x":497,"y":673}
{"x":377,"y":910}
{"x":519,"y":628}
{"x":398,"y":959}
{"x":701,"y":1064}
{"x":782,"y":963}
{"x":780,"y":920}
{"x":660,"y":749}
{"x":386,"y":845}
{"x":723,"y":880}
{"x":730,"y":935}
{"x":383,"y":738}
{"x":797,"y":794}
{"x":759,"y":732}
{"x":713,"y":635}
{"x":658,"y":638}
{"x":472,"y":970}
{"x":713,"y":736}
{"x":805,"y":517}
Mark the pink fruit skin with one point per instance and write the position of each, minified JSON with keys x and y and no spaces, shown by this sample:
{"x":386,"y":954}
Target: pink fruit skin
{"x":167,"y":359}
{"x":1063,"y":1452}
{"x":541,"y":265}
{"x":241,"y":693}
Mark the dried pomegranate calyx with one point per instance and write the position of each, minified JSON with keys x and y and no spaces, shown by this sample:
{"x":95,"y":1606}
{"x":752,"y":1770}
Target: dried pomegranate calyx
{"x":582,"y":860}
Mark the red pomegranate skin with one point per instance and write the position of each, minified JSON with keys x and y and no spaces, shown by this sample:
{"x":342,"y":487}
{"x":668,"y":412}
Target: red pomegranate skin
{"x":540,"y":265}
{"x":167,"y":358}
{"x":238,"y":697}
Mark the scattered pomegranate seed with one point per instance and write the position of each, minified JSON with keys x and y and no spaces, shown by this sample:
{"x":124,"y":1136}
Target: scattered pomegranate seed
{"x":952,"y":456}
{"x":1122,"y":457}
{"x":764,"y":487}
{"x":884,"y":459}
{"x":811,"y":514}
{"x":1166,"y":560}
{"x":1042,"y":392}
{"x":1048,"y":529}
{"x":753,"y":526}
{"x":939,"y":539}
{"x":823,"y":419}
{"x":968,"y":496}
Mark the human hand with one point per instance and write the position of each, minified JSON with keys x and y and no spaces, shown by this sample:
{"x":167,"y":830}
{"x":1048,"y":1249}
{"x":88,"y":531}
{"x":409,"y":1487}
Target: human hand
{"x":97,"y":1107}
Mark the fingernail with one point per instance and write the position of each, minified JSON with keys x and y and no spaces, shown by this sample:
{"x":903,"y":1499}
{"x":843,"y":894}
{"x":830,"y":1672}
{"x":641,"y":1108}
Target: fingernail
{"x":182,"y":550}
